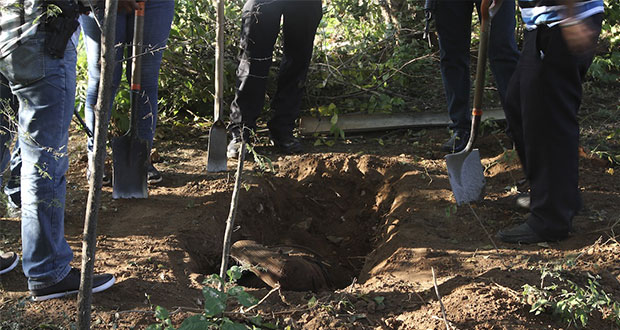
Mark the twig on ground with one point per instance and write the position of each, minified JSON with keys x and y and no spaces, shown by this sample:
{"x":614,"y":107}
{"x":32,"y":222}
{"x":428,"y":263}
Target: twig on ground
{"x":262,"y":300}
{"x":443,"y":309}
{"x":489,"y":236}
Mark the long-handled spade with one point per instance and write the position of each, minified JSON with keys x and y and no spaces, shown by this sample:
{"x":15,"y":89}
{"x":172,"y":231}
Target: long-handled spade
{"x":464,"y":168}
{"x":216,"y":152}
{"x":130,"y":153}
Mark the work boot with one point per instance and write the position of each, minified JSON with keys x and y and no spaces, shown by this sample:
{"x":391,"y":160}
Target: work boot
{"x":8,"y":261}
{"x":152,"y":175}
{"x":71,"y":284}
{"x":457,"y":142}
{"x":522,"y":233}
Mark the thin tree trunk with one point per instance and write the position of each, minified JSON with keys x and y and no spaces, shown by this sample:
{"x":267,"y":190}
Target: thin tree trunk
{"x":97,"y":164}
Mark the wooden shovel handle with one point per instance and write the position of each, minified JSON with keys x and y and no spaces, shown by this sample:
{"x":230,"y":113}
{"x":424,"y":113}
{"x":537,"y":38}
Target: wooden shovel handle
{"x":487,"y":12}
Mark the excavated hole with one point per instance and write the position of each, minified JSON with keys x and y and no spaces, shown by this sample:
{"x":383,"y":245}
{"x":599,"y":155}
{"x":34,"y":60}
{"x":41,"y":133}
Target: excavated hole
{"x":329,"y":210}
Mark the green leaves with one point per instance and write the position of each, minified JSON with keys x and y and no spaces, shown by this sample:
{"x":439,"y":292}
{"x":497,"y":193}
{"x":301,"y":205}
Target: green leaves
{"x":215,"y":301}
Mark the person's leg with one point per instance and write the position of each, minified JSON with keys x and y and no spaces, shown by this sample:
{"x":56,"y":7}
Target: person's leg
{"x":301,"y":19}
{"x":552,"y":134}
{"x":503,"y":52}
{"x":45,"y":88}
{"x":260,"y":26}
{"x":157,"y":22}
{"x":453,"y":22}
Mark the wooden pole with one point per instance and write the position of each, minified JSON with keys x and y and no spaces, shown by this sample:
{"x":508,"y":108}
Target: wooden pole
{"x":102,"y":108}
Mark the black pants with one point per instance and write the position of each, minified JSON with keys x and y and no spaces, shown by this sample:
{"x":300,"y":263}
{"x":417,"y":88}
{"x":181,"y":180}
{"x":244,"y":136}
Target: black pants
{"x":542,"y":101}
{"x":259,"y":31}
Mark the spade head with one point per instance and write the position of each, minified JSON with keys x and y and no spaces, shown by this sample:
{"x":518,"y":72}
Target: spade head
{"x":466,"y":176}
{"x":130,"y":156}
{"x":216,"y":152}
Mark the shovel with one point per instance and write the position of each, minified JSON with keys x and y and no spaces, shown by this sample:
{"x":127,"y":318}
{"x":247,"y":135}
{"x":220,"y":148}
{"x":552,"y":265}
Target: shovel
{"x":129,"y":152}
{"x":464,"y":168}
{"x":216,"y":151}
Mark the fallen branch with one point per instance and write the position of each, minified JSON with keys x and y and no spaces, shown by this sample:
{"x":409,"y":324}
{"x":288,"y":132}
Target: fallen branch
{"x":443,"y":309}
{"x":489,"y":236}
{"x":276,"y":288}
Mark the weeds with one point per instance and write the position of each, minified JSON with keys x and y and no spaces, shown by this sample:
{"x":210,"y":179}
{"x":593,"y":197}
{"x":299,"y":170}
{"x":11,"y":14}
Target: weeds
{"x":573,"y":303}
{"x":214,"y":314}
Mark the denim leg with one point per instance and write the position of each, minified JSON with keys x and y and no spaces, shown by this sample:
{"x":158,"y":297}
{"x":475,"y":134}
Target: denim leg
{"x":503,"y":52}
{"x":45,"y":88}
{"x":260,"y":25}
{"x":157,"y":24}
{"x":91,"y":36}
{"x":453,"y":22}
{"x":301,"y":20}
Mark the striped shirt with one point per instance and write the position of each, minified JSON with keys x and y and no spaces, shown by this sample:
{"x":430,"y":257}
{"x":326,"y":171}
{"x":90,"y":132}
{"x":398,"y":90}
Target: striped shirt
{"x":553,"y":12}
{"x":19,"y":20}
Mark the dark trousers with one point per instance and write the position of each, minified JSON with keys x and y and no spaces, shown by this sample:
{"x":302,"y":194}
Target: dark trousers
{"x":259,"y":31}
{"x":453,"y":21}
{"x":542,"y":101}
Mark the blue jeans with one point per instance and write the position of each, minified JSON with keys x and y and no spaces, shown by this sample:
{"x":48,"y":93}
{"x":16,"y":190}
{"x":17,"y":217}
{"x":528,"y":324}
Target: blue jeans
{"x":157,"y":22}
{"x":12,"y":189}
{"x":453,"y":21}
{"x":45,"y":88}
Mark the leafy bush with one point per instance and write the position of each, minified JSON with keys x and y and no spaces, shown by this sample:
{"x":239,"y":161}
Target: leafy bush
{"x":570,"y":301}
{"x":217,"y":293}
{"x":369,"y":56}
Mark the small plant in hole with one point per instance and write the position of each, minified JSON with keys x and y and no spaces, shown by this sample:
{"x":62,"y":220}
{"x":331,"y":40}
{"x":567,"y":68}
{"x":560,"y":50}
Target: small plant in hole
{"x":214,"y":315}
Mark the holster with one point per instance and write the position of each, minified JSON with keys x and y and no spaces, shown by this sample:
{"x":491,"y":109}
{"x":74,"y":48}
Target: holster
{"x":61,"y":21}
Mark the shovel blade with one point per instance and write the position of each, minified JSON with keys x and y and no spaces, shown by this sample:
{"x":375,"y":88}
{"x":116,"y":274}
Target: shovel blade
{"x":130,"y":157}
{"x":466,"y":176}
{"x":216,"y":152}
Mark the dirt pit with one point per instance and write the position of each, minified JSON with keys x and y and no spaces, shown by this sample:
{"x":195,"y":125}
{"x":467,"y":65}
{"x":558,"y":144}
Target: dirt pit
{"x":379,"y":212}
{"x":328,"y":208}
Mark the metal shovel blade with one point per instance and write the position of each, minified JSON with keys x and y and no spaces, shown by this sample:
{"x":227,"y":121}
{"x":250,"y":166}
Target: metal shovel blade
{"x":216,"y":152}
{"x":130,"y":156}
{"x":466,"y":176}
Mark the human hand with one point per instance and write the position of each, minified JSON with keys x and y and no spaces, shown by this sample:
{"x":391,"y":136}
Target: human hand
{"x":127,"y":5}
{"x":578,"y":35}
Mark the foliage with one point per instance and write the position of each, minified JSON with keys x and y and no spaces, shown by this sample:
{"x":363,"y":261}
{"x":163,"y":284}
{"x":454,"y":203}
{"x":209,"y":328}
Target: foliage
{"x":574,"y":303}
{"x":215,"y":303}
{"x":369,"y":57}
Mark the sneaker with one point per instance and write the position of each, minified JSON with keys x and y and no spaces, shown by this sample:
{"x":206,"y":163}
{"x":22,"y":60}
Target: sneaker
{"x":71,"y":284}
{"x":457,"y":142}
{"x":152,"y":175}
{"x":8,"y":261}
{"x":523,"y":201}
{"x":232,"y":150}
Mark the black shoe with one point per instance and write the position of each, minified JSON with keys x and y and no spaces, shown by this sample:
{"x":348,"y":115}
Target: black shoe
{"x":286,"y":142}
{"x":522,"y":233}
{"x":457,"y":142}
{"x":152,"y":175}
{"x":523,"y":201}
{"x":8,"y":261}
{"x":71,"y":284}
